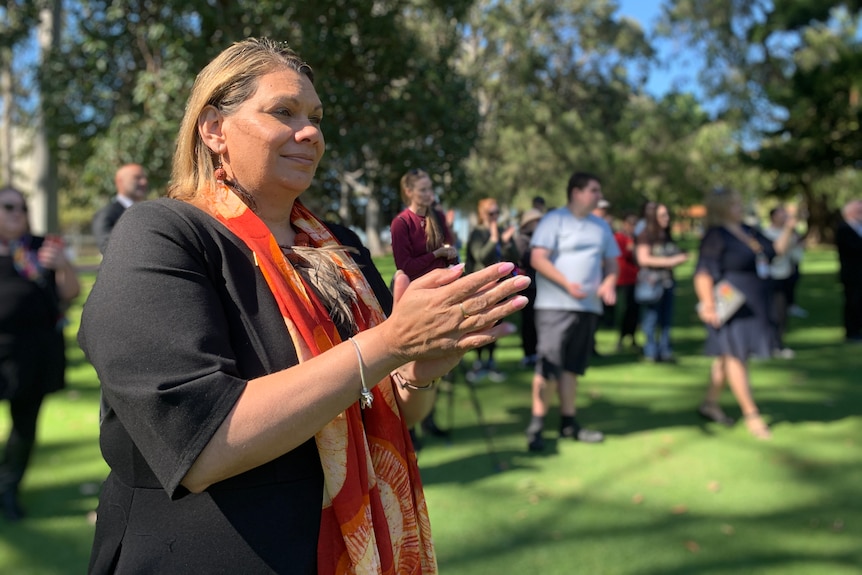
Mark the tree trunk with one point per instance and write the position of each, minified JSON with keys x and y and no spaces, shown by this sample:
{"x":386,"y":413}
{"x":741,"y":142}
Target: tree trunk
{"x":6,"y":93}
{"x":821,"y":216}
{"x":372,"y":225}
{"x":45,"y":213}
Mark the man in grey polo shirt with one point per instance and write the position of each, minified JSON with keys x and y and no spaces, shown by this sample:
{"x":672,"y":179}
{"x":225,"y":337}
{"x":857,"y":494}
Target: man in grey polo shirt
{"x":574,"y":254}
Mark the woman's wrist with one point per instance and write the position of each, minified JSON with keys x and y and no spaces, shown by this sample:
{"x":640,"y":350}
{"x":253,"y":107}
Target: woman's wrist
{"x":404,"y":383}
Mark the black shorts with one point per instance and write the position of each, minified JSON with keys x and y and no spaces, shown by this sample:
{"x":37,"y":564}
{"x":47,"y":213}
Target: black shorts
{"x":566,"y":341}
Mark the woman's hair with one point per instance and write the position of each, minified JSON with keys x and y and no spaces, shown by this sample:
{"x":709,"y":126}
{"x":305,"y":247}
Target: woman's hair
{"x":653,"y":230}
{"x":6,"y":189}
{"x":225,"y":83}
{"x":483,"y":206}
{"x":718,"y":202}
{"x":434,"y":236}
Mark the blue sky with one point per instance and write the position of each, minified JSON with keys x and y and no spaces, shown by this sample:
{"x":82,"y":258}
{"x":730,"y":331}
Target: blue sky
{"x":681,"y":66}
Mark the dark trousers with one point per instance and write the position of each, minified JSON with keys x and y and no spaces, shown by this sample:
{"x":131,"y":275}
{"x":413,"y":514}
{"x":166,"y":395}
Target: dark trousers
{"x":25,"y":412}
{"x":629,"y":321}
{"x":782,"y":296}
{"x":528,"y":327}
{"x":853,"y":310}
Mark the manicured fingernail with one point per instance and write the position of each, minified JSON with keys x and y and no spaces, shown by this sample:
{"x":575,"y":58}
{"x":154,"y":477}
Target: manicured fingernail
{"x":520,"y":301}
{"x":459,"y":267}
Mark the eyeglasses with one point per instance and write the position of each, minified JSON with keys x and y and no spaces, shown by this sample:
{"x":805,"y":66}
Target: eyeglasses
{"x":492,"y":214}
{"x":15,"y":207}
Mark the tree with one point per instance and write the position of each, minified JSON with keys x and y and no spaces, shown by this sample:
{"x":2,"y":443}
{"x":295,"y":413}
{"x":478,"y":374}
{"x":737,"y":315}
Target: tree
{"x":553,"y":80}
{"x":118,"y":85}
{"x":790,"y":77}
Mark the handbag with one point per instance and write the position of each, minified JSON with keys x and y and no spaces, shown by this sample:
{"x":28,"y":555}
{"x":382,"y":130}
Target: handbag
{"x":649,"y":287}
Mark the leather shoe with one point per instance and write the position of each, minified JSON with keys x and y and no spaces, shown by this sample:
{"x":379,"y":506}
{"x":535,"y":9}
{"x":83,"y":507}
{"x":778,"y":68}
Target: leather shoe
{"x":11,"y":508}
{"x":535,"y":442}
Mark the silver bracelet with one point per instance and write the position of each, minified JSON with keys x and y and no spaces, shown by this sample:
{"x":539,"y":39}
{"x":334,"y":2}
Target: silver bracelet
{"x":404,"y":384}
{"x":365,"y":396}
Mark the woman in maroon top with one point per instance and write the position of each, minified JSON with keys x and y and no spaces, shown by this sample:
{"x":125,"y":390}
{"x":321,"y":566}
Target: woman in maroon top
{"x":421,"y":241}
{"x":626,"y":280}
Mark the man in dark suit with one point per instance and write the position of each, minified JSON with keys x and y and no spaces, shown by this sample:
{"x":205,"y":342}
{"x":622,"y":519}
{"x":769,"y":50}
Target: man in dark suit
{"x":131,"y":183}
{"x":848,"y":240}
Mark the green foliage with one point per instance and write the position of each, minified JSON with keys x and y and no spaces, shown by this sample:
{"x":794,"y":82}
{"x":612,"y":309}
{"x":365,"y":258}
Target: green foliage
{"x":791,"y":73}
{"x":117,"y":88}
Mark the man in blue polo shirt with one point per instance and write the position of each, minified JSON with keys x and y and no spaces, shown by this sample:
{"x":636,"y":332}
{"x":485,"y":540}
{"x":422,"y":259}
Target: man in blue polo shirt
{"x":574,"y":254}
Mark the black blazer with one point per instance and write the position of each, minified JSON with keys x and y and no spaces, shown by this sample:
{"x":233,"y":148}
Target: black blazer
{"x":849,"y":244}
{"x":104,"y":222}
{"x":179,"y":319}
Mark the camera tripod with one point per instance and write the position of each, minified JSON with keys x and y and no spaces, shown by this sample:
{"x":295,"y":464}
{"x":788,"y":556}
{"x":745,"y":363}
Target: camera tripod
{"x":459,"y":373}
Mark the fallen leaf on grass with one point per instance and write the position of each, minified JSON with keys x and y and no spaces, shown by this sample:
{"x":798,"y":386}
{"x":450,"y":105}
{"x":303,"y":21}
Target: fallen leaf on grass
{"x":837,"y":525}
{"x":714,"y":486}
{"x":637,"y":498}
{"x":727,"y":529}
{"x":679,"y":509}
{"x":692,"y":546}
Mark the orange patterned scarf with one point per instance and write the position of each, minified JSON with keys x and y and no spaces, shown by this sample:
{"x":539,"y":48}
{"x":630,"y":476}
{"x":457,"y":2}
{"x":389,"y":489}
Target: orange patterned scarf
{"x":374,"y":518}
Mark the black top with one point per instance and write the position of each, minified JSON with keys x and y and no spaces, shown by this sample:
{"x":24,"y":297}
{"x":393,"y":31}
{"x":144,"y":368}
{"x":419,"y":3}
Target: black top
{"x":31,"y":339}
{"x":104,"y":222}
{"x":179,"y":320}
{"x":750,"y":331}
{"x":849,"y":245}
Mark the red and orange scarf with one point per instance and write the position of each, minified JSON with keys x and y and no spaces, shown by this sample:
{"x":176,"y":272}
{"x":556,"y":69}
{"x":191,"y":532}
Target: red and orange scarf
{"x":374,"y":518}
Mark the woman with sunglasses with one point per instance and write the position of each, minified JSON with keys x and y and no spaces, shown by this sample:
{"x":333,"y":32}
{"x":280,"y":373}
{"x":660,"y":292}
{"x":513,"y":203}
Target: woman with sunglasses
{"x":486,"y":246}
{"x":37,"y":282}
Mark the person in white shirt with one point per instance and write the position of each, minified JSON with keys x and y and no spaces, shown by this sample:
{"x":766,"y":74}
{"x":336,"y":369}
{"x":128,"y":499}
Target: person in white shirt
{"x":781,"y":271}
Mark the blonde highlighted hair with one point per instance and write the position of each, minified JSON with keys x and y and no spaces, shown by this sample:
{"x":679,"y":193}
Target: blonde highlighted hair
{"x":718,"y":203}
{"x":225,"y":83}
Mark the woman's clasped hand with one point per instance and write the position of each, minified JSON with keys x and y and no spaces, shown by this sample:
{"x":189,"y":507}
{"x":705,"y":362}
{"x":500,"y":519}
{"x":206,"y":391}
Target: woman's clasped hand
{"x":427,"y":321}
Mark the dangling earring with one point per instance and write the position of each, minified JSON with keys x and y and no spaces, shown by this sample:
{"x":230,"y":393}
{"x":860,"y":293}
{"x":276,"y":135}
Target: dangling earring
{"x":219,"y":172}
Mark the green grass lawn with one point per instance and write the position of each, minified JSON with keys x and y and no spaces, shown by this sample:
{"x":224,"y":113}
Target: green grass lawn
{"x":666,"y":494}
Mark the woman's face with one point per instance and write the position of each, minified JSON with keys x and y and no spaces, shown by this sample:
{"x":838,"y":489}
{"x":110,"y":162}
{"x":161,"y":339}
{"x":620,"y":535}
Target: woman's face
{"x":273,"y":142}
{"x":421,"y":195}
{"x":13,"y":217}
{"x":735,"y":211}
{"x":662,"y":216}
{"x":490,"y":214}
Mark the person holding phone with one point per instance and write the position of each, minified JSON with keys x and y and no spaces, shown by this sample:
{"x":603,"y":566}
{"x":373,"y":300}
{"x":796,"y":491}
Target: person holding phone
{"x":37,"y":283}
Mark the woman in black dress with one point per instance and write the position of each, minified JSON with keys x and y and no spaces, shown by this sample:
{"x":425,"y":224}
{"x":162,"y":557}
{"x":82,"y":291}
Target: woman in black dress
{"x":37,"y":282}
{"x":733,"y":251}
{"x":256,"y":394}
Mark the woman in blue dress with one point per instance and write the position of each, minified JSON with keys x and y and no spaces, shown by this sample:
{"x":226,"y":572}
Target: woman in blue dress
{"x":739,"y":254}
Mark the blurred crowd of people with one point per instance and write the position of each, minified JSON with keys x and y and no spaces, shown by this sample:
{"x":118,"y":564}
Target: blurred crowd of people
{"x":594,"y":269}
